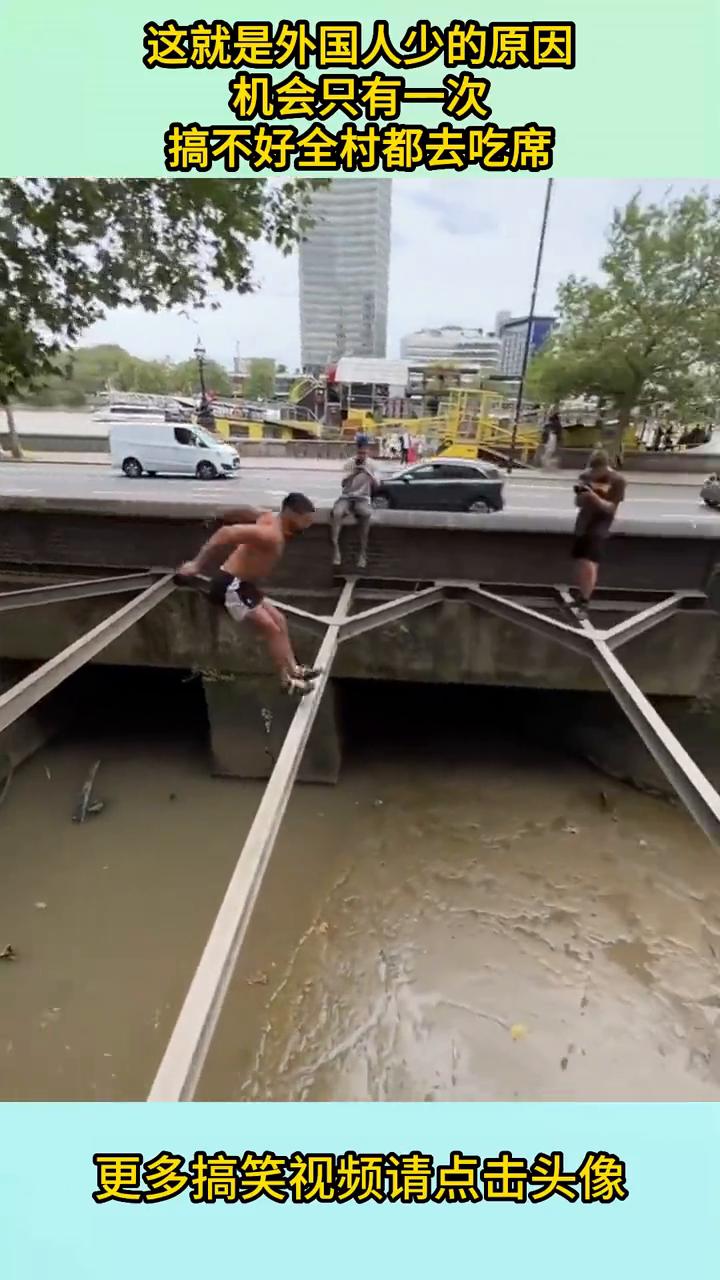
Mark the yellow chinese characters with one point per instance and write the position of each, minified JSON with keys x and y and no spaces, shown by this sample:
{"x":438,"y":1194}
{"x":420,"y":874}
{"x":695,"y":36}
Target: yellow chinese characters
{"x":363,"y":1177}
{"x":352,"y":115}
{"x":394,"y":148}
{"x":257,"y":44}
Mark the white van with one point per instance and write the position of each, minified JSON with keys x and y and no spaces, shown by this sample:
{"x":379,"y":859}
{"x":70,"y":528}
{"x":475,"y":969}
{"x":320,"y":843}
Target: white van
{"x":166,"y":448}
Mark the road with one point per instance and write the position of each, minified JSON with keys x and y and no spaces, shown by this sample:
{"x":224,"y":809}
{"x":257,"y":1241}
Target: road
{"x":265,"y":486}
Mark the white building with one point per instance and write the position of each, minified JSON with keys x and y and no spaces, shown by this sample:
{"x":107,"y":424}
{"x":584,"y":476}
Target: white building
{"x":473,"y":353}
{"x":344,"y":272}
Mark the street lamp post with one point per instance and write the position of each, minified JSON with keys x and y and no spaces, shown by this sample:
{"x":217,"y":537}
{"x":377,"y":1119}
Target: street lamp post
{"x":530,"y":322}
{"x":200,"y":357}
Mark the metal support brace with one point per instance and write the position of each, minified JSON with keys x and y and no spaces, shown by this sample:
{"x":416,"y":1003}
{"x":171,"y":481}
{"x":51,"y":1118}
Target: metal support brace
{"x":390,"y":611}
{"x":58,"y":592}
{"x":699,"y":797}
{"x":318,"y":623}
{"x":643,"y":621}
{"x":511,"y":611}
{"x":184,"y":1058}
{"x":26,"y":693}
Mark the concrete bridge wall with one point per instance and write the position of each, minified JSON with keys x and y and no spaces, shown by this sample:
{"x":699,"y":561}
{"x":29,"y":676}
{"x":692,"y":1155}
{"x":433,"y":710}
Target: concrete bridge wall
{"x":449,"y":643}
{"x":412,"y":546}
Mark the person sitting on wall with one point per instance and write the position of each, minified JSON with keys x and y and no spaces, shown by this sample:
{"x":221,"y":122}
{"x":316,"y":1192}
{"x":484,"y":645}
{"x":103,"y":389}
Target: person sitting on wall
{"x":358,"y":485}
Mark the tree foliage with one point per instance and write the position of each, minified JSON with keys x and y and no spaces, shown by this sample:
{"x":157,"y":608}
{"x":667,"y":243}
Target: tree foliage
{"x":261,"y":380}
{"x":89,"y":370}
{"x":185,"y":379}
{"x":73,"y":248}
{"x":648,"y":335}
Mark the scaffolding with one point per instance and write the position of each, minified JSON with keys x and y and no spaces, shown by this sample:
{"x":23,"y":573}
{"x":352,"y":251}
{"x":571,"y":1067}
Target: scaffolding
{"x":184,"y":1058}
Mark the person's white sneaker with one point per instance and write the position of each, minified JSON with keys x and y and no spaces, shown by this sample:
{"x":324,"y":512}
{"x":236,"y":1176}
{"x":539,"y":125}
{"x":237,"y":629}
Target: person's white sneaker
{"x":298,"y":688}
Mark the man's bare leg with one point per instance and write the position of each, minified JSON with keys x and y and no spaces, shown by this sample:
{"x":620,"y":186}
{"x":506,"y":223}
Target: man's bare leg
{"x":277,"y":642}
{"x":292,"y":668}
{"x":586,"y":577}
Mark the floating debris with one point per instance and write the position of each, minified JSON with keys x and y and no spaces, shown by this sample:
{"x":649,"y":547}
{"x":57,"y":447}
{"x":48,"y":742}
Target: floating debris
{"x":40,"y":906}
{"x":8,"y":953}
{"x":518,"y":1031}
{"x":259,"y":979}
{"x":84,"y":805}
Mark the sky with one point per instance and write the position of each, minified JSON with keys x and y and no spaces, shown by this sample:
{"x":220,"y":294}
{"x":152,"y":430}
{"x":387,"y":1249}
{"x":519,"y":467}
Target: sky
{"x":462,"y":250}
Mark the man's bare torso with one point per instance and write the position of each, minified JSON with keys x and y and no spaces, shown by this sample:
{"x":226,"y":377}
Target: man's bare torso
{"x":254,"y":563}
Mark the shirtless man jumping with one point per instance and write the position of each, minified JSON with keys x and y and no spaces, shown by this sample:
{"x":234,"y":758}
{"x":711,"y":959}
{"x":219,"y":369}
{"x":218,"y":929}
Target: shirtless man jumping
{"x":247,"y":554}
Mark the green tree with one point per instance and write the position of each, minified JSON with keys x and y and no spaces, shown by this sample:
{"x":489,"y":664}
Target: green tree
{"x":72,"y":248}
{"x":184,"y":379}
{"x":261,"y":380}
{"x":649,"y":334}
{"x":97,"y":368}
{"x":149,"y":376}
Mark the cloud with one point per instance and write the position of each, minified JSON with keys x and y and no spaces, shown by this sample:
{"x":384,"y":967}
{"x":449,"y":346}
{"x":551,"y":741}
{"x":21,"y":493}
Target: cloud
{"x":462,"y":215}
{"x":463,"y":248}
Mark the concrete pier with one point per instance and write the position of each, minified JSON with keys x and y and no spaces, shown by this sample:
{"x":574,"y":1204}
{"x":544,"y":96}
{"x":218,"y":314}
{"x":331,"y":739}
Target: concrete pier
{"x":36,"y":728}
{"x":249,"y":717}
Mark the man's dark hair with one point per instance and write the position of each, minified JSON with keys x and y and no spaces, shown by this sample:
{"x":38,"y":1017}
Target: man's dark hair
{"x":298,"y":504}
{"x":599,"y":458}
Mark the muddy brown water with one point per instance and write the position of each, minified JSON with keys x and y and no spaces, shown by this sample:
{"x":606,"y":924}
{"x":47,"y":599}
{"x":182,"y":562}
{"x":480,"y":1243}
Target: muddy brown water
{"x":465,"y":916}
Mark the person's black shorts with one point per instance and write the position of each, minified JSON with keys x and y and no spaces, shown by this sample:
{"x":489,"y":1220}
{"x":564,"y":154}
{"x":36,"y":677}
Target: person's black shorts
{"x":589,"y":546}
{"x":238,"y":597}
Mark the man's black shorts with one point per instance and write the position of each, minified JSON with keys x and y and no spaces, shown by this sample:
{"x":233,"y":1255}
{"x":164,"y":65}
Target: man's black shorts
{"x":589,"y":546}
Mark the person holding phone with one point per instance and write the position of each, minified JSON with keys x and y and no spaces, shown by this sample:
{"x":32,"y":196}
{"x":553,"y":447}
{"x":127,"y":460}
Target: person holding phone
{"x":598,"y":494}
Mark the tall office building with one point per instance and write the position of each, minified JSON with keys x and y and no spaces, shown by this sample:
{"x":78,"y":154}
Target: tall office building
{"x":344,"y":272}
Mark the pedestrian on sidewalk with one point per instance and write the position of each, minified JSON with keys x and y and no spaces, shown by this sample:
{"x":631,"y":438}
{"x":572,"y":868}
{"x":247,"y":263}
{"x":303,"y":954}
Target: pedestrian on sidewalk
{"x":551,"y":440}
